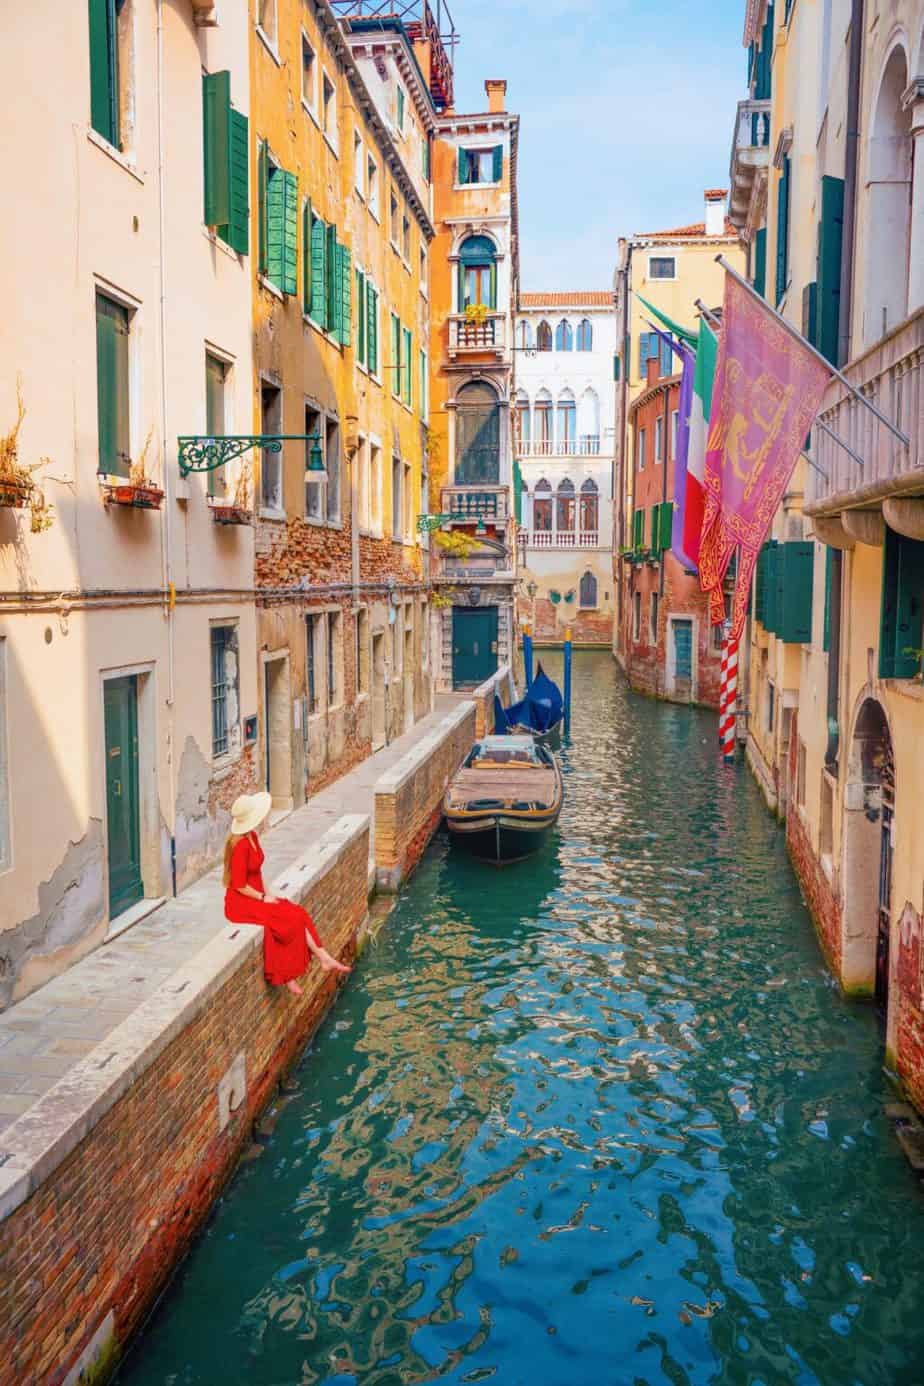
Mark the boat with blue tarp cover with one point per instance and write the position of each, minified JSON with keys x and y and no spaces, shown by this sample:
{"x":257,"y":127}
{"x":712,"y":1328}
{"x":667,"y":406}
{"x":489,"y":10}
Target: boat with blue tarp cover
{"x":539,"y":714}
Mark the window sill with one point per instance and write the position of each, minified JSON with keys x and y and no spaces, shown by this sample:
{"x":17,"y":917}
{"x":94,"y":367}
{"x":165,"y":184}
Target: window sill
{"x":475,"y":187}
{"x":316,"y":521}
{"x":330,"y":144}
{"x":269,"y":513}
{"x":268,"y":45}
{"x":309,"y":321}
{"x":270,"y":287}
{"x":114,"y":154}
{"x":214,"y":239}
{"x":310,"y":110}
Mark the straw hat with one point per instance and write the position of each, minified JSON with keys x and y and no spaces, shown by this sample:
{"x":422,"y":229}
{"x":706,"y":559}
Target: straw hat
{"x":249,"y":811}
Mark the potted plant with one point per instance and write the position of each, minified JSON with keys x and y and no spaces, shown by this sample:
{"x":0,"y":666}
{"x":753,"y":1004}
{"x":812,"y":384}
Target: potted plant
{"x":238,"y":510}
{"x":137,"y":489}
{"x":18,"y":490}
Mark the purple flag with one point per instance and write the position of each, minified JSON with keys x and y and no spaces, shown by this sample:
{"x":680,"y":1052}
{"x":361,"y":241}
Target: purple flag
{"x":681,"y":455}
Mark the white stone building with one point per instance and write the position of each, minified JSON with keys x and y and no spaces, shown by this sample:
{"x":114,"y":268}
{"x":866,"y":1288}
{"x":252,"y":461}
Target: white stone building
{"x":564,"y":431}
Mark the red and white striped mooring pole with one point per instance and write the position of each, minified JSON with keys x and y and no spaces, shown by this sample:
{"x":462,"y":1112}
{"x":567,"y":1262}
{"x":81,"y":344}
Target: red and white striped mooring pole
{"x":728,"y":697}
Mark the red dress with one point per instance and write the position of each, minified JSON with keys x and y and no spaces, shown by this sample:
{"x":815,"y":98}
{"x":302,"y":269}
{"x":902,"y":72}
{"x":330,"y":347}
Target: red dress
{"x":285,"y":946}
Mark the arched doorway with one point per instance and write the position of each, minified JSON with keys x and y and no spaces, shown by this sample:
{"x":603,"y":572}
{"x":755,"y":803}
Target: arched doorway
{"x":869,"y":809}
{"x":889,"y":209}
{"x":477,"y":434}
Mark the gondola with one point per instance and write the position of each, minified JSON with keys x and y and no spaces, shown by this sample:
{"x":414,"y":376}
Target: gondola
{"x":505,"y":798}
{"x":539,"y":714}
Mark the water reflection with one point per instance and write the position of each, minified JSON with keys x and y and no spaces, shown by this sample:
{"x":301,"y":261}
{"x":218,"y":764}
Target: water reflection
{"x":601,"y":1118}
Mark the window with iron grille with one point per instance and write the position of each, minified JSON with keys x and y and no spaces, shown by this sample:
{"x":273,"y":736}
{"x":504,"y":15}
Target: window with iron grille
{"x":311,"y":637}
{"x":333,"y":619}
{"x":224,"y":686}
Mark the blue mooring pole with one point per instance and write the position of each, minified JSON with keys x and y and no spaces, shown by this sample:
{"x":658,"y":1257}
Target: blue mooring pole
{"x":567,"y":681}
{"x":528,"y":657}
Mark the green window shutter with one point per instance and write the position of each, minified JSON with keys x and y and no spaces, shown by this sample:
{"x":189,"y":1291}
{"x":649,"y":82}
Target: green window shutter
{"x":463,"y":166}
{"x":616,"y":365}
{"x":306,"y":256}
{"x":289,"y":283}
{"x":395,"y":356}
{"x":334,"y":286}
{"x":262,"y":206}
{"x":665,"y":525}
{"x":104,"y":70}
{"x":112,"y":387}
{"x":830,"y":246}
{"x":826,"y":627}
{"x":638,"y":520}
{"x":372,"y":329}
{"x":346,"y":288}
{"x":810,"y":313}
{"x":760,"y":261}
{"x":407,"y":375}
{"x":360,"y":317}
{"x":275,"y":224}
{"x":760,"y":588}
{"x":237,"y":231}
{"x":770,"y":598}
{"x":782,"y":232}
{"x":655,"y":545}
{"x":216,"y":135}
{"x":497,"y":155}
{"x":319,"y":271}
{"x":795,"y":619}
{"x":902,"y":596}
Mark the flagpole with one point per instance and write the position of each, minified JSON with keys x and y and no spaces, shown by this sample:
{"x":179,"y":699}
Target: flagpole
{"x":819,"y":423}
{"x":893,"y":428}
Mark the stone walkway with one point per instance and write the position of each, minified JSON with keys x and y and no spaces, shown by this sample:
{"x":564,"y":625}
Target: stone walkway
{"x":44,"y":1035}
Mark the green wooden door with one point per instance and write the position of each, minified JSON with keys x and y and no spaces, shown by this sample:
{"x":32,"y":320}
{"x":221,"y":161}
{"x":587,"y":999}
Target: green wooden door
{"x":474,"y":645}
{"x":122,"y":816}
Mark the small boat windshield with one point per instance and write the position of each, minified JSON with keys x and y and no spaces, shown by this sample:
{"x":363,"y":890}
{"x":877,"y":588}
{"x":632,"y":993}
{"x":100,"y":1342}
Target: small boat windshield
{"x":505,"y":750}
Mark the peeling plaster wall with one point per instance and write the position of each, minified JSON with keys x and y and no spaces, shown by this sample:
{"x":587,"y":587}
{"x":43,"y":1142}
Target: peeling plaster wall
{"x":71,"y":920}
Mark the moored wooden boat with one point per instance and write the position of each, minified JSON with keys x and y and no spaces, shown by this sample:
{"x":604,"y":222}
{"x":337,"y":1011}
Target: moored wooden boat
{"x":505,"y":798}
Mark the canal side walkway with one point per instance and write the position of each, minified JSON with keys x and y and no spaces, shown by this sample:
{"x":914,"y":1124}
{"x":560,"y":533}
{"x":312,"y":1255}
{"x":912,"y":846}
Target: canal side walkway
{"x":44,"y":1036}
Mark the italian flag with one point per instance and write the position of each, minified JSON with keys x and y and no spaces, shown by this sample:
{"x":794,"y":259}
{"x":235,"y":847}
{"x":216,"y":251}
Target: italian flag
{"x":699,"y":431}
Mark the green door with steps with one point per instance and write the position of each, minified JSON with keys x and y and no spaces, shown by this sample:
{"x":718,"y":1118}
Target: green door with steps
{"x":474,"y":645}
{"x":122,"y":814}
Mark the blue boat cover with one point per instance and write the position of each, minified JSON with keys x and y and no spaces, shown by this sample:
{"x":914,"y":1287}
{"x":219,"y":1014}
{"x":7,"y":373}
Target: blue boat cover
{"x":540,"y":711}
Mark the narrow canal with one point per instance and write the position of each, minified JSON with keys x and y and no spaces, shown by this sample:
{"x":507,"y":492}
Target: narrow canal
{"x":603,"y":1118}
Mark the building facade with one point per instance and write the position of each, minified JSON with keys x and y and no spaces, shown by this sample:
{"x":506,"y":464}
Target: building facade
{"x":474,"y":288}
{"x":671,"y":649}
{"x":564,"y":432}
{"x":671,"y":269}
{"x":341,"y":196}
{"x":127,"y":628}
{"x":837,"y":629}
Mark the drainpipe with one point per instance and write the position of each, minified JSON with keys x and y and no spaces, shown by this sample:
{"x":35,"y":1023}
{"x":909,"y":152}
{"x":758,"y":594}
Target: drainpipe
{"x":851,"y":159}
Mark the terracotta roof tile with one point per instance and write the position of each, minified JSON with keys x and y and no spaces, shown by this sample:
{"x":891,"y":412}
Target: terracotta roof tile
{"x":593,"y":298}
{"x":696,"y":231}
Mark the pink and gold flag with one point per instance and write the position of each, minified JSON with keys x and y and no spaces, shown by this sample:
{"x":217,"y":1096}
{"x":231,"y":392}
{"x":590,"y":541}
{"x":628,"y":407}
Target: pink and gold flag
{"x":768,"y":388}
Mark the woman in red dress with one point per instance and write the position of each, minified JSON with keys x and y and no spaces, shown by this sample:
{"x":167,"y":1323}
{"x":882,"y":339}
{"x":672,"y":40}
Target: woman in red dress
{"x":289,"y":936}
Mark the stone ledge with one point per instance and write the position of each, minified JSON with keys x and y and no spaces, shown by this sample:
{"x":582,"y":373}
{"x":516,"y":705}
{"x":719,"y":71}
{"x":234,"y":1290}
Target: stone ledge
{"x":40,"y":1140}
{"x":396,"y":778}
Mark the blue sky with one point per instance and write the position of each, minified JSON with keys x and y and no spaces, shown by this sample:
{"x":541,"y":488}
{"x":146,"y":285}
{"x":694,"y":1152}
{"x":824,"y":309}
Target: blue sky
{"x":627,"y":110}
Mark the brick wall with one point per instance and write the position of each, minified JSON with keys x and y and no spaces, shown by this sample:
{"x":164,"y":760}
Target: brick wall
{"x":820,"y":897}
{"x":647,"y":661}
{"x":587,"y":627}
{"x":95,"y":1225}
{"x":408,"y":800}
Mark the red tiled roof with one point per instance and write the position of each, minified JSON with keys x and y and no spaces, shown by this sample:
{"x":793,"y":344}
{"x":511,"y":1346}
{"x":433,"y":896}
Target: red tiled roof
{"x":694,"y":232}
{"x":592,"y":298}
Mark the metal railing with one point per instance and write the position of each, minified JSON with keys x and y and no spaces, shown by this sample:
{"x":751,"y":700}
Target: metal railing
{"x":891,"y":375}
{"x":468,"y":334}
{"x":420,"y":22}
{"x":588,"y":445}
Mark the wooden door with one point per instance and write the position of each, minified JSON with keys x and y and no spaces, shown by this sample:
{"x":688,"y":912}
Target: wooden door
{"x":120,"y":700}
{"x":474,"y":645}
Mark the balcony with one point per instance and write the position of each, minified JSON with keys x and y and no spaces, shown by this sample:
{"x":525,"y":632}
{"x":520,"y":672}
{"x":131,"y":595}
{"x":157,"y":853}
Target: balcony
{"x":468,"y":504}
{"x":469,"y":335}
{"x":891,"y":375}
{"x":564,"y":539}
{"x":421,"y":25}
{"x":586,"y":446}
{"x":750,"y":155}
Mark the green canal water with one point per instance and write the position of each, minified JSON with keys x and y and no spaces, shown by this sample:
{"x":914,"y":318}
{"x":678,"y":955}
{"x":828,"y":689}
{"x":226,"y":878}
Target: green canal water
{"x":601,"y":1118}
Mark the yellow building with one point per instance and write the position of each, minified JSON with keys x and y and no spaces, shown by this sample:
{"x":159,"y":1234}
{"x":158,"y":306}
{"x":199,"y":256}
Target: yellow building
{"x":837,"y":724}
{"x":671,"y":269}
{"x":340,"y":193}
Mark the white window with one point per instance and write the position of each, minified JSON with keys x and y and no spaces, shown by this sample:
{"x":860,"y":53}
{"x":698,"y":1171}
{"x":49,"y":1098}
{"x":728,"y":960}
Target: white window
{"x":372,"y":186}
{"x":375,"y":488}
{"x":640,"y":450}
{"x":271,"y":491}
{"x":329,"y":109}
{"x":397,"y":509}
{"x":362,"y":650}
{"x":393,"y":220}
{"x":363,"y":497}
{"x":423,"y":270}
{"x":266,"y":19}
{"x":332,"y":463}
{"x":659,"y":439}
{"x":358,"y":163}
{"x":662,"y":267}
{"x":406,"y":239}
{"x":314,"y":484}
{"x":309,"y":76}
{"x":408,"y":504}
{"x":6,"y":855}
{"x":225,"y":690}
{"x":334,"y":658}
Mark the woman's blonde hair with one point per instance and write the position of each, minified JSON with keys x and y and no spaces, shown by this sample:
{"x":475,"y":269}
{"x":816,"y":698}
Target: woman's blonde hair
{"x":231,"y":842}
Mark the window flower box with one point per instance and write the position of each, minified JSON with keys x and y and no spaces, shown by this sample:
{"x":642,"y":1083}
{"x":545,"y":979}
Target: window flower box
{"x":227,"y":514}
{"x":16,"y":495}
{"x":143,"y":495}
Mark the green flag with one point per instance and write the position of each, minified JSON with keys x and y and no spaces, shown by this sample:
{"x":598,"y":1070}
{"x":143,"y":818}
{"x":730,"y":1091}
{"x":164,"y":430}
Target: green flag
{"x":684,"y":333}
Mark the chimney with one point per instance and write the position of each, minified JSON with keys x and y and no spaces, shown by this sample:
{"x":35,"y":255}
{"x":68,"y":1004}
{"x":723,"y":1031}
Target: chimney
{"x":716,"y":199}
{"x":497,"y":89}
{"x":652,"y":371}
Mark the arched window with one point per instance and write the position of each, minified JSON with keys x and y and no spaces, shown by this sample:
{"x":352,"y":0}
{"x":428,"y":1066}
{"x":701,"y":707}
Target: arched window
{"x":564,"y":337}
{"x":543,"y":337}
{"x":477,"y":273}
{"x":564,"y":505}
{"x":567,"y":423}
{"x":585,"y":335}
{"x":521,"y":421}
{"x":589,"y":511}
{"x":542,"y":508}
{"x":525,"y":334}
{"x":889,"y":215}
{"x":588,"y":591}
{"x":477,"y":434}
{"x":542,"y":424}
{"x":589,"y":423}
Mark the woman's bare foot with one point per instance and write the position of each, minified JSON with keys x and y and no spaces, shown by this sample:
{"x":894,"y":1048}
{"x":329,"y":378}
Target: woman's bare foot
{"x":330,"y":963}
{"x":294,"y":988}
